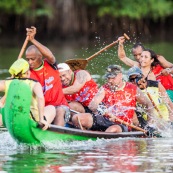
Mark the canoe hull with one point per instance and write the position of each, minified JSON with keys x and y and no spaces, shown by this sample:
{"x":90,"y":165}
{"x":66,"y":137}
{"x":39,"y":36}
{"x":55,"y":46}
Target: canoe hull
{"x":16,"y":118}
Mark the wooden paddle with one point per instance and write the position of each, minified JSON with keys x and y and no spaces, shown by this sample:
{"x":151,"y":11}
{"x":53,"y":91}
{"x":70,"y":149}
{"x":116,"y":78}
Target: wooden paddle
{"x":76,"y":64}
{"x":23,"y":47}
{"x":153,"y":103}
{"x":114,"y":118}
{"x":78,"y":119}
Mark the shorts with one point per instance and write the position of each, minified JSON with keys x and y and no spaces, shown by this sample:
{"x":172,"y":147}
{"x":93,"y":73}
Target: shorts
{"x":101,"y":123}
{"x":67,"y":115}
{"x":87,"y":110}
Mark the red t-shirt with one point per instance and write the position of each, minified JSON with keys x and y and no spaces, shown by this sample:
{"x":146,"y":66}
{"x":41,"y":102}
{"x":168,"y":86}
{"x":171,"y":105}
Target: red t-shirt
{"x":51,"y":84}
{"x":122,"y":101}
{"x":166,"y":81}
{"x":85,"y":94}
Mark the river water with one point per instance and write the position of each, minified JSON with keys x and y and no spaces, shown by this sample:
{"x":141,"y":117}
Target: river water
{"x":111,"y":155}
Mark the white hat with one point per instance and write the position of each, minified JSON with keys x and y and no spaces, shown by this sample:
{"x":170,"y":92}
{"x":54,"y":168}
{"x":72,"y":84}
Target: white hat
{"x":63,"y":67}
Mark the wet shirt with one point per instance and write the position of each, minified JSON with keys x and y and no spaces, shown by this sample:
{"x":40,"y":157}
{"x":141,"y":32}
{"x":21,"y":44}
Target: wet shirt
{"x":122,"y":102}
{"x":51,"y":84}
{"x":166,"y":81}
{"x":85,"y":94}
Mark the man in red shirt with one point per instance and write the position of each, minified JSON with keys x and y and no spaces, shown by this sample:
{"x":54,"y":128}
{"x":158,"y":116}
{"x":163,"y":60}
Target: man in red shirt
{"x":118,"y":98}
{"x":45,"y":71}
{"x":78,"y":86}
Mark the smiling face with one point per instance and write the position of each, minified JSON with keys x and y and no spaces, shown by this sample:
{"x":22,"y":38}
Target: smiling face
{"x":66,"y":77}
{"x":146,"y":60}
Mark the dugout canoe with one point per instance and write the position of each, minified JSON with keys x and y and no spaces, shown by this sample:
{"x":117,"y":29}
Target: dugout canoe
{"x":17,"y":120}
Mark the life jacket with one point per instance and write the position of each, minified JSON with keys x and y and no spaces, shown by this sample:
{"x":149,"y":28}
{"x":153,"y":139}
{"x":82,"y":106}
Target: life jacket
{"x":85,"y":94}
{"x":123,"y":101}
{"x":153,"y":90}
{"x":166,"y":81}
{"x":34,"y":104}
{"x":49,"y":78}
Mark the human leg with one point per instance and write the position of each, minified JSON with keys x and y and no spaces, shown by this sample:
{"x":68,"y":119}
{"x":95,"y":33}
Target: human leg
{"x":114,"y":129}
{"x":86,"y":120}
{"x":77,"y":107}
{"x":49,"y":113}
{"x":62,"y":115}
{"x":117,"y":128}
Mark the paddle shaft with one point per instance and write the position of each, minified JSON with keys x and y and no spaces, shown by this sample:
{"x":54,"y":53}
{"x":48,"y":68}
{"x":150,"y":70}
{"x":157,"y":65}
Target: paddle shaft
{"x":23,"y":47}
{"x":78,"y":119}
{"x":155,"y":106}
{"x":117,"y":119}
{"x":107,"y":47}
{"x":126,"y":123}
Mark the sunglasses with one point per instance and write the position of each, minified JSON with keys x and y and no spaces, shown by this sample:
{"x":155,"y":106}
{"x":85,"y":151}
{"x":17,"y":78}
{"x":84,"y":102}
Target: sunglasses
{"x":135,"y":79}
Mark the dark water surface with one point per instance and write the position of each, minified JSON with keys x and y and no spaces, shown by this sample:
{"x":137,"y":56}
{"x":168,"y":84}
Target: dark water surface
{"x":116,"y":155}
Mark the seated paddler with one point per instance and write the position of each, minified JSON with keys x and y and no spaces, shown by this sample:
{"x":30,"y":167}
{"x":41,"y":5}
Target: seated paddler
{"x":157,"y":94}
{"x":115,"y":100}
{"x":38,"y":111}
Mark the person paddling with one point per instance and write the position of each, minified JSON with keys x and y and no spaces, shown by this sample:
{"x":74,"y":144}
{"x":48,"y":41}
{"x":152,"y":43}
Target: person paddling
{"x":155,"y":92}
{"x":118,"y":98}
{"x":78,"y":86}
{"x":40,"y":113}
{"x":45,"y":71}
{"x":160,"y":70}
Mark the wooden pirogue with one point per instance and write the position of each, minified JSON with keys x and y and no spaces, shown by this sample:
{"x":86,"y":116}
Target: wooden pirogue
{"x":17,"y":120}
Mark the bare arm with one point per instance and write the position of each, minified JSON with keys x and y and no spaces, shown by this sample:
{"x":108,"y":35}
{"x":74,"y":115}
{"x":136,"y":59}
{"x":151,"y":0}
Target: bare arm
{"x":164,"y":63}
{"x":81,"y":78}
{"x":122,"y":55}
{"x":2,"y":88}
{"x":142,"y":99}
{"x":43,"y":49}
{"x":97,"y":99}
{"x":2,"y":85}
{"x":40,"y":99}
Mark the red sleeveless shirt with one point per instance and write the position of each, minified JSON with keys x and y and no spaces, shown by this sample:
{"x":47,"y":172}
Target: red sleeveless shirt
{"x":122,"y":101}
{"x":85,"y":94}
{"x":166,"y":81}
{"x":51,"y":84}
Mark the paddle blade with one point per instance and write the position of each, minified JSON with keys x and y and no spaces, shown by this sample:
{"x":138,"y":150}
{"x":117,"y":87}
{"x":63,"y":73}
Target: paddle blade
{"x":77,"y":64}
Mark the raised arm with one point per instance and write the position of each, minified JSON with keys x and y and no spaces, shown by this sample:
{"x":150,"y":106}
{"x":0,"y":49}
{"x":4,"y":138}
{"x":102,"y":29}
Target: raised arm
{"x":122,"y":55}
{"x":142,"y":99}
{"x":97,"y":99}
{"x":82,"y":77}
{"x":43,"y":49}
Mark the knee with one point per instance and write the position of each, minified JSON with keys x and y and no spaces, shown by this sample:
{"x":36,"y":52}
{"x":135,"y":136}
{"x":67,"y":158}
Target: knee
{"x":114,"y":129}
{"x":75,"y":119}
{"x":60,"y":111}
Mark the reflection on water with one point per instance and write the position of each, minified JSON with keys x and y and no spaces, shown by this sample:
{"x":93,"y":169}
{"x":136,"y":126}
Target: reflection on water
{"x":113,"y":155}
